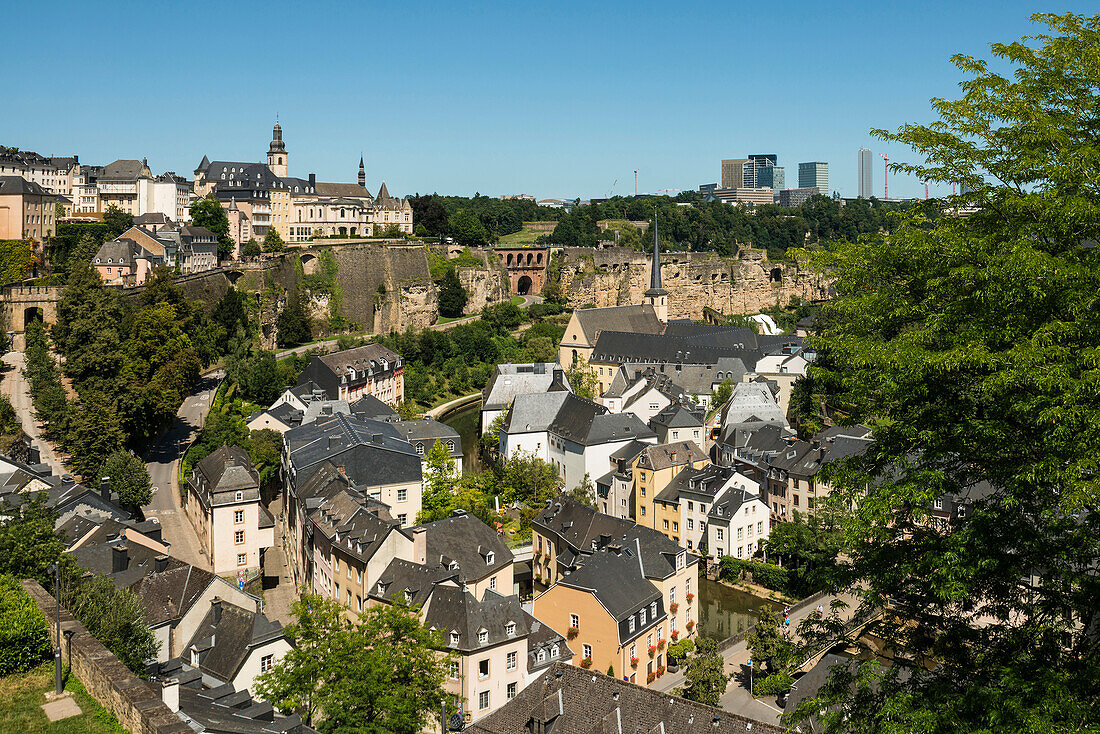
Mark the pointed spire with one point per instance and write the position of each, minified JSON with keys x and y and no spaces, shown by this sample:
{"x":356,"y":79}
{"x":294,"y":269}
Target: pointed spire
{"x":383,"y":194}
{"x":362,"y":172}
{"x":655,"y":272}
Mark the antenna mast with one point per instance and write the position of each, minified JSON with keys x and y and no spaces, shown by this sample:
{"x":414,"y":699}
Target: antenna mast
{"x":885,"y":177}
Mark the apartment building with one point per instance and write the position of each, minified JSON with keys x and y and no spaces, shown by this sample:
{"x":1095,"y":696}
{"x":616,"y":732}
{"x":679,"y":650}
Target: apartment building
{"x":348,"y":375}
{"x":654,"y":469}
{"x":27,"y":210}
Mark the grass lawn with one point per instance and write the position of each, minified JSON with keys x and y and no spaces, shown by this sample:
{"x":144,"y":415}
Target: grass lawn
{"x":21,"y":698}
{"x":518,"y":300}
{"x":522,"y":237}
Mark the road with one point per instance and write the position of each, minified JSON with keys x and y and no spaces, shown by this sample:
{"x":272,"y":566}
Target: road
{"x":16,"y":387}
{"x":737,"y":699}
{"x":161,"y":461}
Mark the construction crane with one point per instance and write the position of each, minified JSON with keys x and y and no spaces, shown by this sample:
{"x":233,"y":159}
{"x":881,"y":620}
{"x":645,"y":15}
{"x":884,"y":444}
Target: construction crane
{"x":885,"y":177}
{"x":925,"y":189}
{"x":612,"y":191}
{"x":635,"y":182}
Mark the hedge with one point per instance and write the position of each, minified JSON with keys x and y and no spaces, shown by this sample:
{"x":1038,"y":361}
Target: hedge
{"x":774,"y":684}
{"x":767,"y":575}
{"x":24,"y":632}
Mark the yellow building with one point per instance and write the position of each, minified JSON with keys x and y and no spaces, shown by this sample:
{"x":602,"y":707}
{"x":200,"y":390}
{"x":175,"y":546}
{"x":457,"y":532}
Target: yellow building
{"x":655,"y":468}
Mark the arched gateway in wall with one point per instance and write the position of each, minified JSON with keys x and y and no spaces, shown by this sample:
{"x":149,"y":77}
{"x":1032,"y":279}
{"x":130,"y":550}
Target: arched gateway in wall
{"x":527,"y":268}
{"x":23,"y":304}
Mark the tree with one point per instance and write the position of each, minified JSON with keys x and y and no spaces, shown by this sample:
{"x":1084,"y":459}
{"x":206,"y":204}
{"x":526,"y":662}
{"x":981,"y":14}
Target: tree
{"x":772,"y":652}
{"x":293,"y":324}
{"x":466,"y":229}
{"x":584,"y":493}
{"x":722,"y":394}
{"x":209,"y":213}
{"x":28,"y":541}
{"x":129,"y":477}
{"x":452,"y":296}
{"x":583,"y":380}
{"x":705,"y":677}
{"x":970,"y":342}
{"x":439,"y":483}
{"x":94,"y":432}
{"x":381,"y":674}
{"x":116,"y":618}
{"x":251,"y":248}
{"x":808,"y":547}
{"x":273,"y":241}
{"x":117,"y":221}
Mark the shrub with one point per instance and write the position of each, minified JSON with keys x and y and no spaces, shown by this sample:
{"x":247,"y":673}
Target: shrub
{"x":774,"y":684}
{"x":24,"y":632}
{"x":769,"y":576}
{"x":730,"y":568}
{"x":680,"y":650}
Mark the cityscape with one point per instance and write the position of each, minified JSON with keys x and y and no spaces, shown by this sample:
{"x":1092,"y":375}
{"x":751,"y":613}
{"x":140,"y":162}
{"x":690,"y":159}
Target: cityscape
{"x":620,"y":428}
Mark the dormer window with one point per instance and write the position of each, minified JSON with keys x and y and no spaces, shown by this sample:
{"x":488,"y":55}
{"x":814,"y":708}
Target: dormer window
{"x":482,"y":637}
{"x":510,"y":629}
{"x":653,"y":609}
{"x":490,"y":557}
{"x":454,"y":638}
{"x":554,"y":652}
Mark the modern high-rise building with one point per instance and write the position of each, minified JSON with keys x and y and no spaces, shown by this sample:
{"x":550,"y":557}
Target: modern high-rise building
{"x":733,"y":173}
{"x":815,"y":173}
{"x":763,"y":173}
{"x":866,"y":182}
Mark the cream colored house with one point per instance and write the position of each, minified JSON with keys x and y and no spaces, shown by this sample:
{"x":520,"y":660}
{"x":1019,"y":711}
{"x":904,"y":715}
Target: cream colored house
{"x":26,"y":210}
{"x":223,"y":504}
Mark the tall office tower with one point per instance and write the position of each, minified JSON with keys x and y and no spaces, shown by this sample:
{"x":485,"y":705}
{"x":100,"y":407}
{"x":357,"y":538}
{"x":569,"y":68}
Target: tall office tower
{"x":733,"y":173}
{"x":815,"y":173}
{"x":866,"y":182}
{"x":763,"y":173}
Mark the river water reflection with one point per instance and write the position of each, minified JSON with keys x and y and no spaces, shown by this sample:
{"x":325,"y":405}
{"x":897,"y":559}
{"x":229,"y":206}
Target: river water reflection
{"x":465,"y":421}
{"x":725,"y":611}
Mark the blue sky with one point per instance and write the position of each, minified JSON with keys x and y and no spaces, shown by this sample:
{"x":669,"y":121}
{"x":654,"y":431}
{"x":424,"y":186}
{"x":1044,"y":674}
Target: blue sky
{"x":551,"y":99}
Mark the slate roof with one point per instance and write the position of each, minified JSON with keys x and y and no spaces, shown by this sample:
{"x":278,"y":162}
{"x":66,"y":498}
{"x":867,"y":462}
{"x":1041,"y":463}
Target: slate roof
{"x":233,"y":635}
{"x":167,"y":595}
{"x":357,"y":527}
{"x":417,"y":579}
{"x":665,"y":455}
{"x":533,"y":412}
{"x":17,"y":185}
{"x":636,"y":319}
{"x":372,"y":452}
{"x":587,"y":423}
{"x":751,"y":400}
{"x":707,"y":480}
{"x":369,"y":406}
{"x":579,"y":525}
{"x":346,"y":190}
{"x":285,"y":413}
{"x":324,"y":410}
{"x":99,"y":557}
{"x":122,"y":251}
{"x":124,"y":169}
{"x":361,"y":358}
{"x":571,"y":700}
{"x":228,"y":469}
{"x":467,"y":541}
{"x":616,"y":580}
{"x":729,"y":503}
{"x":622,"y":347}
{"x":452,"y":609}
{"x":510,"y":380}
{"x":678,"y":415}
{"x":426,"y":431}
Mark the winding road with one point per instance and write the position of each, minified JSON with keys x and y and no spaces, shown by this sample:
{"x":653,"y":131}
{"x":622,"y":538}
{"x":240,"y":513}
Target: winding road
{"x":16,"y":387}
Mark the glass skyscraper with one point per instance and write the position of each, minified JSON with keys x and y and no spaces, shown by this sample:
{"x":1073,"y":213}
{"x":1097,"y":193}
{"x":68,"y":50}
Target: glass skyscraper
{"x":866,"y":182}
{"x":815,"y":173}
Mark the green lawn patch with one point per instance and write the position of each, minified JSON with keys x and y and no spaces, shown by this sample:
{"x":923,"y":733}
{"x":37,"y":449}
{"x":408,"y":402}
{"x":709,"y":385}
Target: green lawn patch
{"x":22,"y":696}
{"x":518,"y":300}
{"x":522,"y":237}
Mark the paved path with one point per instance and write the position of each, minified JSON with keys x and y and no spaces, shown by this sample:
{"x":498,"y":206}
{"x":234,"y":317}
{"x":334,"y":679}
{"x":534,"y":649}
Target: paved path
{"x":16,"y":387}
{"x":441,"y":409}
{"x":737,"y":698}
{"x":279,"y":590}
{"x":162,"y":461}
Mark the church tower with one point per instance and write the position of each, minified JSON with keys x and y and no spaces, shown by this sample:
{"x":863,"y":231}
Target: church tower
{"x":656,"y":296}
{"x":276,"y":152}
{"x":362,"y":173}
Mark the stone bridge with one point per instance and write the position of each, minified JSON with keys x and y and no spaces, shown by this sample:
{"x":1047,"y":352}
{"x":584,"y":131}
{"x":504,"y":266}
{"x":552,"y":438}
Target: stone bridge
{"x":527,"y":267}
{"x":23,"y":304}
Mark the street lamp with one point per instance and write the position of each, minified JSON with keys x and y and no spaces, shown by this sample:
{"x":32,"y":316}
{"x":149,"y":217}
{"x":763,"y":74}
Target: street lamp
{"x":55,"y":569}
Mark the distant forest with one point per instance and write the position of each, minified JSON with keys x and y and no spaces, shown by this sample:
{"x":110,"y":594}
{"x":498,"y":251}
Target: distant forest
{"x":686,"y":222}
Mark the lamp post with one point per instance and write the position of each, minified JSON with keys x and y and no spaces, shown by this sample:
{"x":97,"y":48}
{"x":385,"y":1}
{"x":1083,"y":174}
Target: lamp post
{"x":55,"y":569}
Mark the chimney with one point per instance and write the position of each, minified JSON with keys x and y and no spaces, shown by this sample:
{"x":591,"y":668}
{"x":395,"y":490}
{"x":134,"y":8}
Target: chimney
{"x":216,"y":605}
{"x":333,"y":441}
{"x":420,"y":545}
{"x":119,"y":558}
{"x":313,"y":179}
{"x":160,"y":565}
{"x":105,"y":488}
{"x":170,"y":693}
{"x":559,"y":377}
{"x":343,"y":470}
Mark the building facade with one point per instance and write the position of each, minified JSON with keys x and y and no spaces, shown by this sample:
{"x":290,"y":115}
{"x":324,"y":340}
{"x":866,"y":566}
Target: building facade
{"x":866,"y":176}
{"x":27,"y":210}
{"x":814,"y":174}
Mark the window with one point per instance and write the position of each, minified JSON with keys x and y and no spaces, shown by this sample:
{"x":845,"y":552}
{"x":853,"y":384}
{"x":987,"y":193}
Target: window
{"x":587,"y":651}
{"x":482,"y":637}
{"x":493,"y":583}
{"x":240,"y":496}
{"x":490,"y":557}
{"x":483,"y":700}
{"x":691,"y":524}
{"x":672,"y":596}
{"x":653,"y":610}
{"x":649,"y":640}
{"x":630,"y":624}
{"x":242,"y":559}
{"x":666,"y":524}
{"x":238,"y":516}
{"x":403,"y":518}
{"x":740,"y":533}
{"x":554,"y":652}
{"x":454,"y":638}
{"x":641,"y":616}
{"x":962,"y":511}
{"x":675,"y":526}
{"x":454,"y":670}
{"x":402,"y":495}
{"x":510,"y":629}
{"x":483,"y":668}
{"x":511,"y":691}
{"x":633,"y":651}
{"x":420,"y":452}
{"x":238,"y":537}
{"x":574,"y":621}
{"x":511,"y":664}
{"x":938,"y":504}
{"x":451,"y":446}
{"x":691,"y":505}
{"x":643,"y":511}
{"x":739,"y":549}
{"x":721,"y":534}
{"x":266,"y":662}
{"x":760,"y":528}
{"x":542,"y":656}
{"x":358,"y":603}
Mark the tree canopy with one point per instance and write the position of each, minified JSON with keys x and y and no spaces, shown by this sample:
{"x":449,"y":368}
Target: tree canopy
{"x":971,"y":344}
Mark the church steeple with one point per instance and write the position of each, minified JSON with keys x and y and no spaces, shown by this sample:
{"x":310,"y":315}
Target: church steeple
{"x":277,"y":158}
{"x":656,"y":296}
{"x":362,"y":173}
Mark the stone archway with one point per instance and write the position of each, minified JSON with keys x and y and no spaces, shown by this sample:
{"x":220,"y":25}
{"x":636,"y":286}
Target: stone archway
{"x":32,"y":314}
{"x":523,"y":287}
{"x":309,"y":264}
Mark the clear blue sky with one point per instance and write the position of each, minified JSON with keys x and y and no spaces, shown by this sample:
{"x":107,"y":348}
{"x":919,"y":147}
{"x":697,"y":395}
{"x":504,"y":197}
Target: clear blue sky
{"x":552,"y":99}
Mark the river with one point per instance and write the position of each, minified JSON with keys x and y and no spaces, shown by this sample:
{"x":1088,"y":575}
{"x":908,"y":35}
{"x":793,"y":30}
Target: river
{"x":725,"y":611}
{"x":465,"y":421}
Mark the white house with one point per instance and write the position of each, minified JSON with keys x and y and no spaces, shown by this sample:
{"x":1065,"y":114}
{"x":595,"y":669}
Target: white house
{"x":737,"y":522}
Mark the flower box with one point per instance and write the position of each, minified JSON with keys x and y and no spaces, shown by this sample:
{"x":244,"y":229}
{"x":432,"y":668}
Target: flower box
{"x":651,"y":677}
{"x":661,"y":644}
{"x":634,"y":662}
{"x":673,"y":607}
{"x":675,"y":635}
{"x":586,"y":663}
{"x":661,"y":670}
{"x":690,"y":597}
{"x":691,"y":624}
{"x":572,"y":632}
{"x":652,"y":650}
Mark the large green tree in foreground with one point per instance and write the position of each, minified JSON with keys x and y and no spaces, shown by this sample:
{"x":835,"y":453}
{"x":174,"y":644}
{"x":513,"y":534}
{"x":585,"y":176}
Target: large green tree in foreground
{"x":973,"y":345}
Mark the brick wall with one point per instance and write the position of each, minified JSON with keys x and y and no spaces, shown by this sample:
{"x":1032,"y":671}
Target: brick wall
{"x":134,"y":702}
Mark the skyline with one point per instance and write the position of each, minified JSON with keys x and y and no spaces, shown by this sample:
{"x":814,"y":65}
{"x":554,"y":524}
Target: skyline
{"x":494,"y":99}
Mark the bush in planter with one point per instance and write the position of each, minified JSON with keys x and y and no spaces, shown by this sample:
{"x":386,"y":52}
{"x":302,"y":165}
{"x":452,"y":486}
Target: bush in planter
{"x":680,"y":650}
{"x":675,"y":635}
{"x":661,"y":670}
{"x":673,"y":607}
{"x":690,"y":597}
{"x":691,"y":625}
{"x":652,"y":650}
{"x":661,"y":644}
{"x":573,"y":632}
{"x":586,"y":663}
{"x":24,"y":632}
{"x":774,"y":684}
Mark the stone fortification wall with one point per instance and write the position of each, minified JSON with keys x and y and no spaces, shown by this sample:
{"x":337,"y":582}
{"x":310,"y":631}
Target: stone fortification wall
{"x":133,"y":701}
{"x":483,"y":287}
{"x":618,"y":276}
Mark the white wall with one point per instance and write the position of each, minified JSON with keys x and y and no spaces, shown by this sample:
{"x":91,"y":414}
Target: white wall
{"x":250,"y":669}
